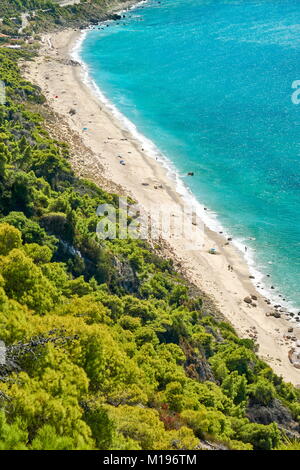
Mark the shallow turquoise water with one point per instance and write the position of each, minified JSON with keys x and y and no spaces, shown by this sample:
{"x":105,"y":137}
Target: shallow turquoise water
{"x":209,"y":82}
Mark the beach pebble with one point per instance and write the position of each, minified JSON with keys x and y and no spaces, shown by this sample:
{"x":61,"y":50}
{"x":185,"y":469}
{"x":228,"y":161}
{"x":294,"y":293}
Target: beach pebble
{"x":248,"y":300}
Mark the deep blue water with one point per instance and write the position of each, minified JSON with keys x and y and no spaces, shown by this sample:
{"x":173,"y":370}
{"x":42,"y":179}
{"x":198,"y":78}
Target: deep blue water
{"x":209,"y":82}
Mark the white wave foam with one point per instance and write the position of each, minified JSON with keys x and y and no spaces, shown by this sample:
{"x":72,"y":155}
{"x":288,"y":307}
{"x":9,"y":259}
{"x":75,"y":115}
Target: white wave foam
{"x":208,"y":217}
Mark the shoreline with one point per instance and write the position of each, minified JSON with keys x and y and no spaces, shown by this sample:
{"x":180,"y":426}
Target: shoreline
{"x":208,"y":217}
{"x":140,"y":178}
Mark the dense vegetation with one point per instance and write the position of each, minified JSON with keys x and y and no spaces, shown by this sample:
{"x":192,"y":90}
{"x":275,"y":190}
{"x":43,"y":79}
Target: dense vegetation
{"x":107,"y":347}
{"x":11,"y":7}
{"x":11,"y":10}
{"x":44,"y":14}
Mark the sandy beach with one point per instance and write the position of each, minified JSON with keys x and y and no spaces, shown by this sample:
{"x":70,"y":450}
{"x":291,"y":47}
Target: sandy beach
{"x":99,"y":141}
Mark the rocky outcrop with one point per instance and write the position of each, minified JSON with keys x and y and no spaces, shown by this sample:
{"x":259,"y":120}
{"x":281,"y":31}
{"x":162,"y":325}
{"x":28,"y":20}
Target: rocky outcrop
{"x":126,"y":276}
{"x":294,"y":356}
{"x":196,"y":366}
{"x":115,"y":17}
{"x":274,"y":413}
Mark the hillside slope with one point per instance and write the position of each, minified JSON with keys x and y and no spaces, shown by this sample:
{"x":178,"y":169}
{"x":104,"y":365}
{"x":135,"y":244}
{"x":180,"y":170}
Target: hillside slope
{"x":107,"y":346}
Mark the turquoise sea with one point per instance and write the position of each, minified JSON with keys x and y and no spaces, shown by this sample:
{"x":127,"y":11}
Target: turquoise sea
{"x":210,"y":83}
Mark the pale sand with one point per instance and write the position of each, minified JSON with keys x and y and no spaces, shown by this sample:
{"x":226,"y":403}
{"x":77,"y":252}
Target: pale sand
{"x":105,"y":141}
